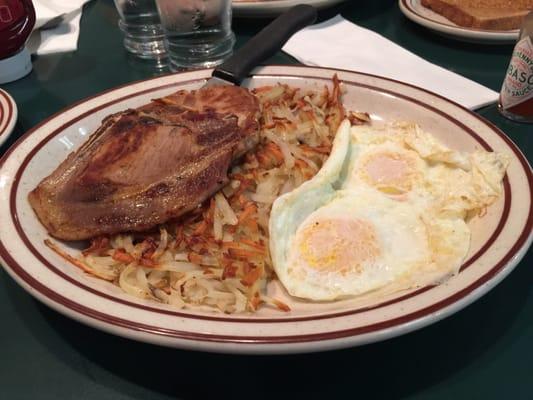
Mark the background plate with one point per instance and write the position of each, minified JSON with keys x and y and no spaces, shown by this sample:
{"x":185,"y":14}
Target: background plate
{"x":8,"y":115}
{"x":272,"y":8}
{"x":414,"y":10}
{"x":499,"y":239}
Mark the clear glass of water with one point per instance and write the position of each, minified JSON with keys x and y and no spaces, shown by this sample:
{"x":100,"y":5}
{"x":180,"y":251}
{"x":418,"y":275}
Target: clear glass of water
{"x":197,"y":32}
{"x":143,"y":33}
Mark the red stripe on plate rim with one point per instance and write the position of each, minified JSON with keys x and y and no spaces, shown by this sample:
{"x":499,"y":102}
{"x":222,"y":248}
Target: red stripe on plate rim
{"x":57,"y":298}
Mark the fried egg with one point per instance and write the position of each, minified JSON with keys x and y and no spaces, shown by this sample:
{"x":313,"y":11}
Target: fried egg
{"x":387,"y":211}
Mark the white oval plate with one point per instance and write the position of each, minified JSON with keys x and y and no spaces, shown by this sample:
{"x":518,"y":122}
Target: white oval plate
{"x":270,"y":8}
{"x":8,"y":115}
{"x":499,"y":239}
{"x":416,"y":12}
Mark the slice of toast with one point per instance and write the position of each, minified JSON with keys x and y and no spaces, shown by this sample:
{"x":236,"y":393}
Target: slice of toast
{"x":482,"y":14}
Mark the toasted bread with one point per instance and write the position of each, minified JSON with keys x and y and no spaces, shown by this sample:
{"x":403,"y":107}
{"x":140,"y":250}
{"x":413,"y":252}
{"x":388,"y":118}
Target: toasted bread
{"x":482,"y":14}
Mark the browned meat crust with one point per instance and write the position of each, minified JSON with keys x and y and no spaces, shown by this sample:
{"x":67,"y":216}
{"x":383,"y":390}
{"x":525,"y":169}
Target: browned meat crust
{"x":145,"y":166}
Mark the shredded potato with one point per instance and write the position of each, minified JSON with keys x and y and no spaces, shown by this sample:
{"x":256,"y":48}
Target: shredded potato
{"x":217,"y":255}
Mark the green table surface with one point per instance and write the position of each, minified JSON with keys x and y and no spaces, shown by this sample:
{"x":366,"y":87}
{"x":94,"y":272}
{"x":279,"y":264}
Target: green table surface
{"x":482,"y":352}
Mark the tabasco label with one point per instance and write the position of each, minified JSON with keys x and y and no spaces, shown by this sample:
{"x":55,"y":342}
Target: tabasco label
{"x":518,"y":83}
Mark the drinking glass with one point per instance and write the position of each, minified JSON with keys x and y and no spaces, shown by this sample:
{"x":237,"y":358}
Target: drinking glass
{"x":140,"y":23}
{"x":197,"y":32}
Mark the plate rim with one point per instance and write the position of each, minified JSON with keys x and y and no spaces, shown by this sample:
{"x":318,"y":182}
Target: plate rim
{"x":455,"y":31}
{"x":501,"y":270}
{"x":50,"y":266}
{"x":7,"y":125}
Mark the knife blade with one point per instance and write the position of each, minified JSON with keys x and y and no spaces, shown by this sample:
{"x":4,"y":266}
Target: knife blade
{"x":263,"y":45}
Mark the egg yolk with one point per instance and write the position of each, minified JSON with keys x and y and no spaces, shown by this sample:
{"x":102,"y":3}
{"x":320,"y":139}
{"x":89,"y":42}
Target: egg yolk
{"x":338,"y":245}
{"x":391,"y":173}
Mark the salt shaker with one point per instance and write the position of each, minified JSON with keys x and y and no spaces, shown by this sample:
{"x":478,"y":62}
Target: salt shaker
{"x":17,"y":18}
{"x":516,"y":96}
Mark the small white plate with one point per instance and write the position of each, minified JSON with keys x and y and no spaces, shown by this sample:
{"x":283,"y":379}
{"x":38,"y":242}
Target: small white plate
{"x":416,"y":12}
{"x":8,"y":115}
{"x":270,"y":8}
{"x":499,"y":239}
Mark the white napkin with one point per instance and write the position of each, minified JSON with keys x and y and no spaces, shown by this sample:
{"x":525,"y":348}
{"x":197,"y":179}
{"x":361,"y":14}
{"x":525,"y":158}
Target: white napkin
{"x":338,"y":43}
{"x":57,"y":26}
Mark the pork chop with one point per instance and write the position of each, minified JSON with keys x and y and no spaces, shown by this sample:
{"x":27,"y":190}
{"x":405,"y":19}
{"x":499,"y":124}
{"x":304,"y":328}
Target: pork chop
{"x":145,"y":166}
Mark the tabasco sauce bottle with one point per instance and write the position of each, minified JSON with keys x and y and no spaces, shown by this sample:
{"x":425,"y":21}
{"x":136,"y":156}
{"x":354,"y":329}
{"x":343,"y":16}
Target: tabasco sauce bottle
{"x":516,"y":96}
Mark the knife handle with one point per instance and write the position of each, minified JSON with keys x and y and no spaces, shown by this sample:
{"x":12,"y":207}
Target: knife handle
{"x":265,"y":44}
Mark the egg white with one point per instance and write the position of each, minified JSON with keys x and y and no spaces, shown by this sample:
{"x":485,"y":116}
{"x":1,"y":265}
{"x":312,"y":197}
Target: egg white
{"x":401,"y":244}
{"x":408,"y":190}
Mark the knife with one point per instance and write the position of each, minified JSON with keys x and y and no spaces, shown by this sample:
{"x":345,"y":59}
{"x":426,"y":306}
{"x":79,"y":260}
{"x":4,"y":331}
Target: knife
{"x":263,"y":45}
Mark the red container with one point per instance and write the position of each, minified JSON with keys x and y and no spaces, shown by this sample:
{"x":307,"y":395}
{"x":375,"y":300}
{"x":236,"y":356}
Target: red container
{"x":17,"y":19}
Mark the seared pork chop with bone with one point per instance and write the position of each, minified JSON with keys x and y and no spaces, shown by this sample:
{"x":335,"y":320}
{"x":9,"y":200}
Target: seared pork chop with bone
{"x":145,"y":166}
